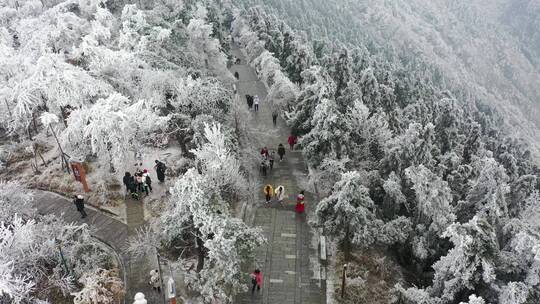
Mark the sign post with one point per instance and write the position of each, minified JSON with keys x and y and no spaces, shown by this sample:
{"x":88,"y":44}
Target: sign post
{"x":343,"y":280}
{"x":171,"y":291}
{"x":80,"y":175}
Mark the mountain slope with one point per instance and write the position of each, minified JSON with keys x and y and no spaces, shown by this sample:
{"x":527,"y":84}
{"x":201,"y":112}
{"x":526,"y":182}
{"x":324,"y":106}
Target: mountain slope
{"x":486,"y":50}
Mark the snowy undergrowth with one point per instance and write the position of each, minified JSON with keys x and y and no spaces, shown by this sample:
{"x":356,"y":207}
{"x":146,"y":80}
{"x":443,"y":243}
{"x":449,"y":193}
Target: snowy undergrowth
{"x":371,"y":276}
{"x":31,"y":267}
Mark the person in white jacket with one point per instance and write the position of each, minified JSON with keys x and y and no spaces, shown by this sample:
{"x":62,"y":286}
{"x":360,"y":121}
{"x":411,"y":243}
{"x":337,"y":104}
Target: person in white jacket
{"x":146,"y":181}
{"x":280,"y":194}
{"x":155,"y":281}
{"x":256,"y":101}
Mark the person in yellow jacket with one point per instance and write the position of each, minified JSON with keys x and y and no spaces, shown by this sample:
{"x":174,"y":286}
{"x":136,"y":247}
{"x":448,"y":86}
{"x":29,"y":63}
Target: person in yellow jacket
{"x":268,"y":192}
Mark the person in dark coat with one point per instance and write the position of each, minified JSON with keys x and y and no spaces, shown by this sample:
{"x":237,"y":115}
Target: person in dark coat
{"x":160,"y":170}
{"x":236,"y":75}
{"x":126,"y":180}
{"x":249,"y":100}
{"x":274,"y":117}
{"x":271,"y":159}
{"x":79,"y":203}
{"x":133,"y":189}
{"x":138,"y":180}
{"x":281,"y":151}
{"x":264,"y":167}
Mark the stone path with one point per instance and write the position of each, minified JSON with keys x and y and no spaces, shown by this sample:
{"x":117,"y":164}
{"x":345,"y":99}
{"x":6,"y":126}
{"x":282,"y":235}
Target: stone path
{"x":289,"y":261}
{"x":112,"y":232}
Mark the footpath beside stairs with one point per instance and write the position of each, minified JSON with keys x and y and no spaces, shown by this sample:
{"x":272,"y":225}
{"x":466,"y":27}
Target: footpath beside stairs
{"x":113,"y":233}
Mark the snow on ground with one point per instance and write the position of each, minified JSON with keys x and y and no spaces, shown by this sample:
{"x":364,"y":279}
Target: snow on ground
{"x":106,"y":189}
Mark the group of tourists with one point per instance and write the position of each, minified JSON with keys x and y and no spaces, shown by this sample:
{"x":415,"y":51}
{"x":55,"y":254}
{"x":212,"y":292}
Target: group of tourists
{"x":253,"y":102}
{"x":268,"y":157}
{"x":141,"y":182}
{"x":137,"y":183}
{"x":279,"y":192}
{"x":279,"y":195}
{"x":267,"y":160}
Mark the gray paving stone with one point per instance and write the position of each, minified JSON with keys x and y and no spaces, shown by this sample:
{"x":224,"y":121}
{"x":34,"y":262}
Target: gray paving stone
{"x":289,"y":237}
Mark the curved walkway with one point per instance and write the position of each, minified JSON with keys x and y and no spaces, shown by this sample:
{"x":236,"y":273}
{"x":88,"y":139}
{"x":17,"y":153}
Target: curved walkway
{"x":289,"y":261}
{"x":110,"y":231}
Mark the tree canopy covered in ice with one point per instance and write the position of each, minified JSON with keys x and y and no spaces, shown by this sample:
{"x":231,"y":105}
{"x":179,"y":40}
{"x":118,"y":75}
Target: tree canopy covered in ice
{"x":407,"y":159}
{"x":484,"y":50}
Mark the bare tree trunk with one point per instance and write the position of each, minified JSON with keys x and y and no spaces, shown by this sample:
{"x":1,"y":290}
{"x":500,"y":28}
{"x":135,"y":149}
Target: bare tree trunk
{"x":35,"y":164}
{"x":200,"y":251}
{"x":7,"y":107}
{"x":347,"y":245}
{"x":34,"y":124}
{"x":36,"y":154}
{"x":63,"y":115}
{"x":62,"y":154}
{"x":42,"y":159}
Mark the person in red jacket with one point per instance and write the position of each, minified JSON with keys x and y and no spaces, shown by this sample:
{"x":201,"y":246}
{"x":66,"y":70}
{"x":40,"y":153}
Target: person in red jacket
{"x":292,"y":141}
{"x":256,"y":280}
{"x":264,"y":152}
{"x":300,"y":202}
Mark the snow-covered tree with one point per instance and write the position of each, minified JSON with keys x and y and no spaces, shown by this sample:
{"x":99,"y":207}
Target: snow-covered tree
{"x":100,"y":286}
{"x":412,"y":148}
{"x":317,"y":85}
{"x":29,"y":258}
{"x":350,"y":215}
{"x":222,"y":242}
{"x":15,"y":200}
{"x":472,"y":260}
{"x":488,"y":191}
{"x":433,"y":199}
{"x":220,"y":166}
{"x":205,"y":45}
{"x":432,"y":212}
{"x":327,"y":137}
{"x":474,"y":300}
{"x":110,"y":129}
{"x":394,"y":198}
{"x":369,"y":134}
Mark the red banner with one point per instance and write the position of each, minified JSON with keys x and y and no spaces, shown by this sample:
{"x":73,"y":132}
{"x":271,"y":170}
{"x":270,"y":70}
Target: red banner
{"x":80,"y":175}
